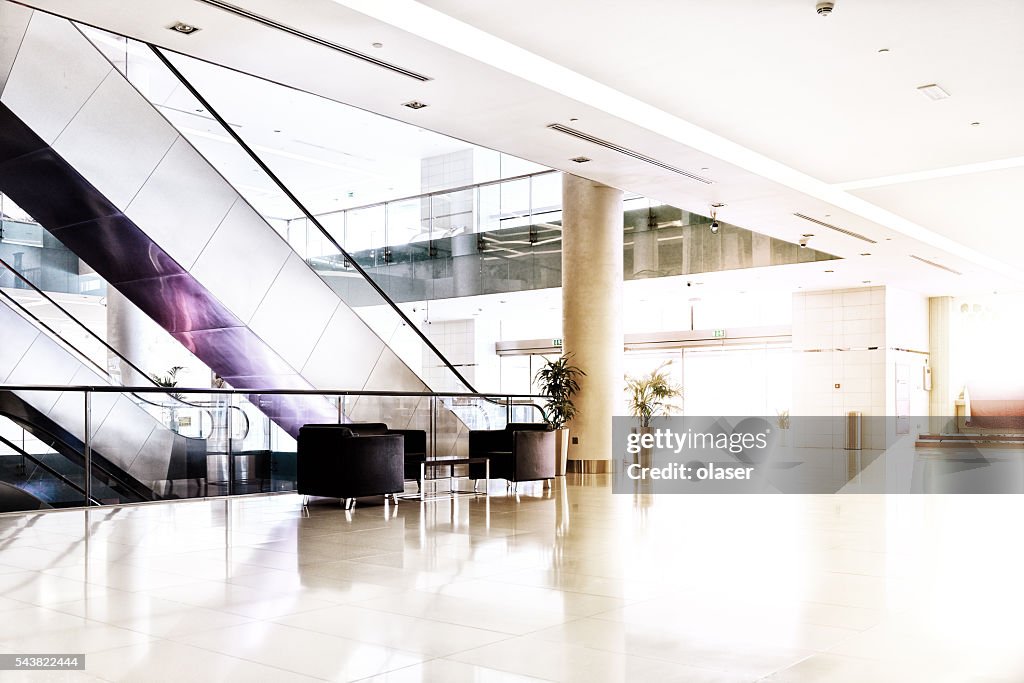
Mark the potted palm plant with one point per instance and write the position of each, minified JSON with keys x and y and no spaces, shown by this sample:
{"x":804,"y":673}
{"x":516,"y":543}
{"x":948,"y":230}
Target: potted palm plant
{"x":650,"y":396}
{"x":558,"y":379}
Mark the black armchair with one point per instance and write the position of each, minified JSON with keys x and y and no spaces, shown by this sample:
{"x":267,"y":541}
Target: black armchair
{"x":415,"y":443}
{"x":522,"y":451}
{"x":336,"y":462}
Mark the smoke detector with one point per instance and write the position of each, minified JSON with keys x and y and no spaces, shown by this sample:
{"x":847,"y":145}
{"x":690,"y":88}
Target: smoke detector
{"x":825,"y":8}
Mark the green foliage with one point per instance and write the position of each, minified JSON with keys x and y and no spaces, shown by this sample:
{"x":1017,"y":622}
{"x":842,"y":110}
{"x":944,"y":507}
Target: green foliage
{"x":559,"y":381}
{"x":169,"y":380}
{"x":651,"y":395}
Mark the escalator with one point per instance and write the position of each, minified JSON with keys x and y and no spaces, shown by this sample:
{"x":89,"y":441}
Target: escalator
{"x":98,"y":166}
{"x":135,"y":457}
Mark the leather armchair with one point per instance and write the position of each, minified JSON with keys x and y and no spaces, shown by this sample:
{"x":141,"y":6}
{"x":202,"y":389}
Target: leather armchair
{"x":415,"y":443}
{"x":336,"y":462}
{"x":522,"y":451}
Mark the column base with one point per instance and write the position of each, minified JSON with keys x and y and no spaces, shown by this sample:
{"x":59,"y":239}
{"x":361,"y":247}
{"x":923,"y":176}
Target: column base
{"x":588,"y":466}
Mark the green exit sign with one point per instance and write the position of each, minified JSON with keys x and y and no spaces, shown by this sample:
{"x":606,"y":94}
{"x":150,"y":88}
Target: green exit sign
{"x":719,"y":334}
{"x":556,"y":342}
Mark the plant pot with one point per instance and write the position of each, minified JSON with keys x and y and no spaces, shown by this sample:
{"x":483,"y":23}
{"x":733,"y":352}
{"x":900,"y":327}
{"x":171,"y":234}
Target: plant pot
{"x":645,"y":457}
{"x":561,"y":451}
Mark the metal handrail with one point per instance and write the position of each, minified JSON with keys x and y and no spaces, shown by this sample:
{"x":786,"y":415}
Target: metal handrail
{"x":39,"y":463}
{"x":82,"y":325}
{"x":436,"y":193}
{"x":302,"y":207}
{"x":107,"y":389}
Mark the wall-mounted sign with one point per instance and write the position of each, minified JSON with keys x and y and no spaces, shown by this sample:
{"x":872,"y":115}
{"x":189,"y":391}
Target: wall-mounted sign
{"x":719,"y":334}
{"x":556,"y":342}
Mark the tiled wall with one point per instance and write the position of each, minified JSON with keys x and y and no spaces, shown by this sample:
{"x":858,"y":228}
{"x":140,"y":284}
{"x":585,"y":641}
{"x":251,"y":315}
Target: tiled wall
{"x":845,"y":345}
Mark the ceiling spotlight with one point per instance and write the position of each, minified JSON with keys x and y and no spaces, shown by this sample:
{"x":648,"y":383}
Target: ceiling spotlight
{"x":714,"y":227}
{"x":181,"y":27}
{"x":803,"y":242}
{"x":580,"y":160}
{"x":414,"y":104}
{"x":933,"y":92}
{"x":378,"y":45}
{"x":824,"y":8}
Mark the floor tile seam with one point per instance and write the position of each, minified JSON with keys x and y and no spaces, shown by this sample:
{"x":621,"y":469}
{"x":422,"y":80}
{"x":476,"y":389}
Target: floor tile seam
{"x":222,"y":654}
{"x":300,"y":631}
{"x":853,"y":633}
{"x":628,"y":654}
{"x":428,"y":621}
{"x":575,"y":592}
{"x":442,"y":621}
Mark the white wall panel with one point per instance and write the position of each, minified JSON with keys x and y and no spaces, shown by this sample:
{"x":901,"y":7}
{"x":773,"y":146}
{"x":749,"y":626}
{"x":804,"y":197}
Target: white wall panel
{"x":15,"y":339}
{"x":295,"y":312}
{"x":55,"y":73}
{"x":14,"y":21}
{"x":182,"y":203}
{"x":345,"y":354}
{"x":241,"y":261}
{"x":123,"y":434}
{"x":69,"y":409}
{"x":116,"y":124}
{"x":44,"y":363}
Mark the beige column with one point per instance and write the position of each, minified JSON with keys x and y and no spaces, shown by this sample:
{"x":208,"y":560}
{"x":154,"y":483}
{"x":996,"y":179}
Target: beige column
{"x":132,"y":333}
{"x":592,"y":229}
{"x":942,"y":399}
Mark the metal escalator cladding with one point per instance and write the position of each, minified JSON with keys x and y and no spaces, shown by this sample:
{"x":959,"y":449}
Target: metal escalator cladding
{"x":84,"y":221}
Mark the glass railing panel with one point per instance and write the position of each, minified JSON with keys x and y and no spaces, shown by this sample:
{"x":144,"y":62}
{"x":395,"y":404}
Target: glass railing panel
{"x":241,"y":452}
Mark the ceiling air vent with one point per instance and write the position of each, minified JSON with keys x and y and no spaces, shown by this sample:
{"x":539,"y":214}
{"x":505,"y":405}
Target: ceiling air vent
{"x":270,"y":23}
{"x":623,"y":150}
{"x":933,"y":264}
{"x":823,"y":224}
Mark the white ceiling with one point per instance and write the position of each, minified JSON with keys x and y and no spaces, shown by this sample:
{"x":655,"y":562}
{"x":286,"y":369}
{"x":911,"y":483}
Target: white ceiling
{"x":777,"y":104}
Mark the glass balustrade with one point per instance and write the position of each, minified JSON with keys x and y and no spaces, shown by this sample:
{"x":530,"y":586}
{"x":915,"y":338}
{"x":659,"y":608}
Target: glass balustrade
{"x":227,"y":446}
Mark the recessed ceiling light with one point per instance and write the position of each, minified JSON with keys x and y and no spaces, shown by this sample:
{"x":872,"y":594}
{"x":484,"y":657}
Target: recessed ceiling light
{"x":807,"y":234}
{"x":865,"y":253}
{"x":378,"y":45}
{"x":865,"y":282}
{"x":414,"y":104}
{"x":932,"y":92}
{"x":830,"y":271}
{"x":573,"y":120}
{"x":883,"y":51}
{"x":717,"y":206}
{"x":975,"y":123}
{"x":183,"y":28}
{"x":580,"y":160}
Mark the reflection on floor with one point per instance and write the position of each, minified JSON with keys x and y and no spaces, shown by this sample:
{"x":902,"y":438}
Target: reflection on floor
{"x":569,"y":584}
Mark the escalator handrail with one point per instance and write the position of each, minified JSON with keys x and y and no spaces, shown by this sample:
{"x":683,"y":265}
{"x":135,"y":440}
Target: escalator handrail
{"x":98,"y":462}
{"x":39,"y":463}
{"x":306,"y":212}
{"x":85,"y":327}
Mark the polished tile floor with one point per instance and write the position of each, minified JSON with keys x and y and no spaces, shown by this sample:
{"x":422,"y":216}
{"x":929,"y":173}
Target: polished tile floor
{"x":572,"y":583}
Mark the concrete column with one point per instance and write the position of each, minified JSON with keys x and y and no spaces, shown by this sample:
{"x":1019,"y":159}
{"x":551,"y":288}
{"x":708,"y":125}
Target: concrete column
{"x":592,"y":229}
{"x":645,"y":251}
{"x":132,"y":333}
{"x":942,"y":399}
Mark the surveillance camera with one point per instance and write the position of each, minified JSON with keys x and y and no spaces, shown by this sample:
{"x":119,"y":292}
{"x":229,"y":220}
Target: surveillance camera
{"x":714,"y":227}
{"x":689,"y":284}
{"x":803,"y":243}
{"x":825,"y":8}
